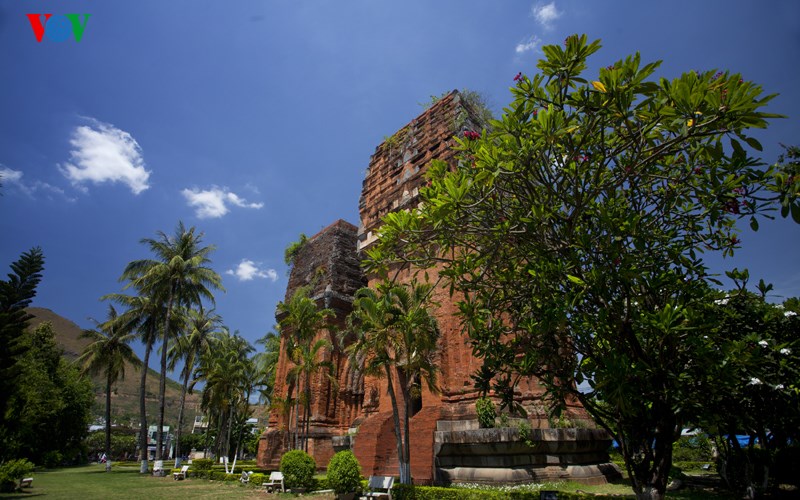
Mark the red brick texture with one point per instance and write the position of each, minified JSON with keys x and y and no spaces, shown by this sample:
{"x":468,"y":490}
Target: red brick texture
{"x":395,"y":174}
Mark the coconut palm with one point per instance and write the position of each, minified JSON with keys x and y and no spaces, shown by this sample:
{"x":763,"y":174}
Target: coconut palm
{"x":396,"y":337}
{"x":226,"y":371}
{"x":107,"y":354}
{"x":178,"y":276}
{"x":266,"y":363}
{"x":146,"y":315}
{"x":201,"y":326}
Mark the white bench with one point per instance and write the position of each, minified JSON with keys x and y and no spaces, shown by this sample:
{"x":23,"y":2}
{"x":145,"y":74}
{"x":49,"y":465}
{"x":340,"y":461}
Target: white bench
{"x":180,"y":475}
{"x":26,"y":483}
{"x":377,"y":484}
{"x":275,"y":481}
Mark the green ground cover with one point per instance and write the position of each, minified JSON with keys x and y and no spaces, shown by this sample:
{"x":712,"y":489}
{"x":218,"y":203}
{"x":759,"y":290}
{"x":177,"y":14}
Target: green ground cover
{"x":124,"y":482}
{"x":92,"y":482}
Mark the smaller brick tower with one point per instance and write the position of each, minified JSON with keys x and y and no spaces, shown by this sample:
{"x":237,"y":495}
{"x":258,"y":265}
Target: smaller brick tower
{"x":328,"y":264}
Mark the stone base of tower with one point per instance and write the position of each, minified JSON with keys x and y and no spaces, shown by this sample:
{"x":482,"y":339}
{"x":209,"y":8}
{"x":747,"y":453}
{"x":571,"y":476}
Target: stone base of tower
{"x":467,"y":454}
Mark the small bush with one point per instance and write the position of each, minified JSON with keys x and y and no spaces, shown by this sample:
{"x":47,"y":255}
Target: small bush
{"x":298,"y":469}
{"x":344,"y":472}
{"x":486,"y":413}
{"x":12,"y":471}
{"x":257,"y":479}
{"x":202,"y":464}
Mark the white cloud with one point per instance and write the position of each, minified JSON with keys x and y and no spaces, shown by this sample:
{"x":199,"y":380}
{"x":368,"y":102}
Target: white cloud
{"x":9,"y":177}
{"x":529,"y":45}
{"x":213,"y":203}
{"x":103,"y":153}
{"x":248,"y":270}
{"x":545,"y":14}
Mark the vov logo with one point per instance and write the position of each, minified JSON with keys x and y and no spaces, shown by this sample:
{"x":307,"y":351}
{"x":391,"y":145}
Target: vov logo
{"x":58,"y":27}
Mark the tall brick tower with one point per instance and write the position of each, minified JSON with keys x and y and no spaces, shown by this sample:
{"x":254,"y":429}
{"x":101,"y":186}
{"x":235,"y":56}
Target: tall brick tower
{"x":356,"y":413}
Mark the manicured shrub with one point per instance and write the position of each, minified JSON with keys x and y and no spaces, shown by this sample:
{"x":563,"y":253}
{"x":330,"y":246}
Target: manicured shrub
{"x":486,"y":413}
{"x":257,"y":479}
{"x":12,"y":471}
{"x":344,"y":472}
{"x":298,"y":469}
{"x":202,"y":464}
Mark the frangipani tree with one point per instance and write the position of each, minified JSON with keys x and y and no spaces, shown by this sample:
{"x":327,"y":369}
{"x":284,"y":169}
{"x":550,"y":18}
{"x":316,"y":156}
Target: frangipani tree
{"x":574,"y":233}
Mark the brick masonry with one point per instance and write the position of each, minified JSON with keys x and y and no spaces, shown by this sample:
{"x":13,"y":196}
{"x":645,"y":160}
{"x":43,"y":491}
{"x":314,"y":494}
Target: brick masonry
{"x":330,"y":261}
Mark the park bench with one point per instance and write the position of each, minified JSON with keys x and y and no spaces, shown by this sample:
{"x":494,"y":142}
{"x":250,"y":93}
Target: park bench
{"x":275,"y":481}
{"x":26,"y":482}
{"x":180,"y":475}
{"x":376,"y":486}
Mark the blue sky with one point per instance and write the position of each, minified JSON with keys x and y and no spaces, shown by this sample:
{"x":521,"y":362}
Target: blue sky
{"x":255,"y":121}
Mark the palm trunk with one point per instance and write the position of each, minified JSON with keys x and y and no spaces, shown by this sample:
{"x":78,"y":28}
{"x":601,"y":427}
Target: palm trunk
{"x":228,"y":439}
{"x":187,"y":372}
{"x":307,"y":430}
{"x":108,"y":422}
{"x":296,"y":444}
{"x":406,"y":422}
{"x":404,"y":477}
{"x":162,"y":383}
{"x":143,"y":455}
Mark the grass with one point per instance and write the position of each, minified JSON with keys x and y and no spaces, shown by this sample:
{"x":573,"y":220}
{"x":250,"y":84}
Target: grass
{"x":92,"y":482}
{"x":124,"y":482}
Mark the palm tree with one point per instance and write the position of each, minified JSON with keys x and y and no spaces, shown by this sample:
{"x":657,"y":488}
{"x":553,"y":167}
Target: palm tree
{"x":395,"y":332}
{"x":145,"y":313}
{"x":178,"y":276}
{"x":107,"y":354}
{"x":266,"y":363}
{"x":300,"y":321}
{"x":226,"y":370}
{"x":189,"y":348}
{"x":310,"y":359}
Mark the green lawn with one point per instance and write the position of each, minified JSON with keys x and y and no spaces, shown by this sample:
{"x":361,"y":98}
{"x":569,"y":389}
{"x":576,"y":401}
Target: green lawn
{"x":92,"y":482}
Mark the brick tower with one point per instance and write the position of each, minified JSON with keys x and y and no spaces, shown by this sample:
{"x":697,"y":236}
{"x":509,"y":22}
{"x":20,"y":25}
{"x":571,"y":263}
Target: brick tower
{"x":356,"y":414}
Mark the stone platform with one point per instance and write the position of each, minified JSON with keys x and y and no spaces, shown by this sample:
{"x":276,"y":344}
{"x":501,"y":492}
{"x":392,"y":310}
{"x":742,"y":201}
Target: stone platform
{"x":501,"y":455}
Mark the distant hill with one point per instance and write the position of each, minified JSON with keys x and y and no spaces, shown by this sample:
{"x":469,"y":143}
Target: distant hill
{"x":125,"y":397}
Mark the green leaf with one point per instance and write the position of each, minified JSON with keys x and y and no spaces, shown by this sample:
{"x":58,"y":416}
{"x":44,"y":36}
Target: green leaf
{"x":576,"y":280}
{"x":753,"y":223}
{"x":753,"y":143}
{"x":796,"y":212}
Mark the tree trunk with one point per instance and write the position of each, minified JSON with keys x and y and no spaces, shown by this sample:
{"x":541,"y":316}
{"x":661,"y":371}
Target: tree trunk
{"x":406,"y":422}
{"x":404,"y":476}
{"x":187,"y":372}
{"x":162,"y":383}
{"x":143,"y":455}
{"x":650,"y":476}
{"x":307,"y":413}
{"x":108,"y":421}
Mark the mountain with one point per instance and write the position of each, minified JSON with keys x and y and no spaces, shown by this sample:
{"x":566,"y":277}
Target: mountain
{"x":125,"y":395}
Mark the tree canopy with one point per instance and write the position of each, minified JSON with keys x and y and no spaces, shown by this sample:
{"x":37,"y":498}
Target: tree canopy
{"x":574,"y":233}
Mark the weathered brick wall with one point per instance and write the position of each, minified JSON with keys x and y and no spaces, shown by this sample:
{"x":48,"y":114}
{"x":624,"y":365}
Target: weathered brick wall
{"x":329,"y":265}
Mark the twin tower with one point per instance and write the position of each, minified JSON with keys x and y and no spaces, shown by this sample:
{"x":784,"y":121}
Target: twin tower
{"x":355,"y":413}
